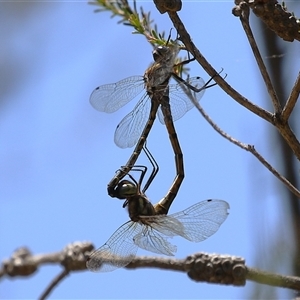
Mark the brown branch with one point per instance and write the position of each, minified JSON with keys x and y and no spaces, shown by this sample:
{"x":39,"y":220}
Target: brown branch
{"x":262,"y":277}
{"x":275,"y":119}
{"x":289,"y":136}
{"x":289,"y":185}
{"x":281,"y":125}
{"x":164,"y":263}
{"x":244,"y":146}
{"x":23,"y":263}
{"x":244,"y":18}
{"x":53,"y":284}
{"x":291,"y":102}
{"x":190,"y":46}
{"x":200,"y":267}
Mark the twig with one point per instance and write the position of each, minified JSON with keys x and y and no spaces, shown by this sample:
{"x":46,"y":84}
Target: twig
{"x":163,"y":263}
{"x":23,"y":263}
{"x":54,"y":283}
{"x":259,"y":276}
{"x":141,"y":22}
{"x":289,"y":136}
{"x":244,"y":146}
{"x":275,"y":120}
{"x":291,"y":102}
{"x":190,"y":46}
{"x":249,"y":148}
{"x":290,"y":186}
{"x":244,"y":18}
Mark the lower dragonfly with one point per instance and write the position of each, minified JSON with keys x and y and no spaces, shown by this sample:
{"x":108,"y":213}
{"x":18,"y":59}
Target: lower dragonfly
{"x":149,"y":230}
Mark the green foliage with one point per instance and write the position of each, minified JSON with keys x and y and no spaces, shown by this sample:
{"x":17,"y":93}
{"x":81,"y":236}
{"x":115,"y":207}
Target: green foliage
{"x":142,"y":24}
{"x":139,"y":20}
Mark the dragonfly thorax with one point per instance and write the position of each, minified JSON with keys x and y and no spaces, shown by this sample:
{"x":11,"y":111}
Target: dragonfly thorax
{"x":138,"y":206}
{"x":158,"y":75}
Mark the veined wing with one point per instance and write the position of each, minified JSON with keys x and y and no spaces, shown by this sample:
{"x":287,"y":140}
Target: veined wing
{"x":203,"y":219}
{"x":167,"y":225}
{"x":155,"y":236}
{"x":180,"y":102}
{"x":195,"y":223}
{"x":118,"y":251}
{"x":110,"y":97}
{"x":130,"y":128}
{"x":151,"y":240}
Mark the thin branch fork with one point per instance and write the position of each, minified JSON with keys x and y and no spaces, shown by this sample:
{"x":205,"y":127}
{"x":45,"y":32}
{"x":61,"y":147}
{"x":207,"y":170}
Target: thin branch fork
{"x":274,"y":119}
{"x":292,"y":100}
{"x":278,"y":121}
{"x":247,"y":147}
{"x":244,"y":18}
{"x":251,"y":149}
{"x":190,"y":46}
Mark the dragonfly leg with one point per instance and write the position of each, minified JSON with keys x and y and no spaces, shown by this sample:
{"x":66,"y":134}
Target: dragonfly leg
{"x":155,"y":168}
{"x":111,"y":188}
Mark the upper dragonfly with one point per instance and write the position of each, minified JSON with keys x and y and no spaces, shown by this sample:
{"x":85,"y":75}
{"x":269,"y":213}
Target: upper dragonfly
{"x":170,"y":101}
{"x":111,"y":97}
{"x":149,"y":229}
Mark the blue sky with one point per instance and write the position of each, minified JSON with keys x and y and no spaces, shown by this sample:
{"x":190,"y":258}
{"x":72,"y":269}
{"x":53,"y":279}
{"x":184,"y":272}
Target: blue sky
{"x":57,"y":153}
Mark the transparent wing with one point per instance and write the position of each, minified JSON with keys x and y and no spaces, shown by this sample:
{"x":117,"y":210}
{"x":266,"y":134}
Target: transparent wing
{"x":118,"y":251}
{"x":130,"y":128}
{"x":195,"y":223}
{"x":203,"y":219}
{"x":110,"y":97}
{"x":161,"y":228}
{"x":166,"y":225}
{"x":179,"y":101}
{"x":151,"y":240}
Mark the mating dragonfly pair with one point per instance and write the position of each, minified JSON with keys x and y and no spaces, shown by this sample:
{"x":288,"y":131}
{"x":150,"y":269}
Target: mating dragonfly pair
{"x":150,"y":227}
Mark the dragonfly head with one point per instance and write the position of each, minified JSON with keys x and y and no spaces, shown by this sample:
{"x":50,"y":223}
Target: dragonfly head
{"x":126,"y":189}
{"x":160,"y":53}
{"x":166,"y":53}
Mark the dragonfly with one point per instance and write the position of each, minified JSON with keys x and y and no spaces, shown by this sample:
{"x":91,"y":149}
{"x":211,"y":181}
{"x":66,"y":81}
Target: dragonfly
{"x":169,"y":101}
{"x":149,"y":230}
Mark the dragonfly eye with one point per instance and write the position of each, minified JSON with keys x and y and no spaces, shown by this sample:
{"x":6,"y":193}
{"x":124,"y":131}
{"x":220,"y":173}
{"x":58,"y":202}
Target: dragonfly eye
{"x":159,"y":52}
{"x":126,"y":189}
